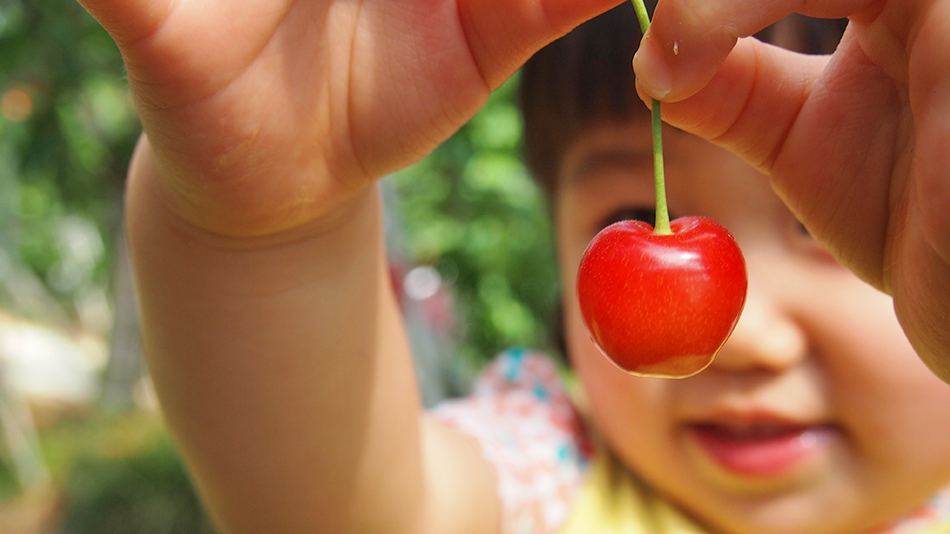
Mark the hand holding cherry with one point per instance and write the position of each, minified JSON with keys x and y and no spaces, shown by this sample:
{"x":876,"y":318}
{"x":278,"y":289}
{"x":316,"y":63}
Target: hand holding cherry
{"x":280,"y":129}
{"x":856,"y":143}
{"x":661,"y":302}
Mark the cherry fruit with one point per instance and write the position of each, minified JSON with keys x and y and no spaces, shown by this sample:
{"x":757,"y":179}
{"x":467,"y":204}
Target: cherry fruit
{"x":662,"y":304}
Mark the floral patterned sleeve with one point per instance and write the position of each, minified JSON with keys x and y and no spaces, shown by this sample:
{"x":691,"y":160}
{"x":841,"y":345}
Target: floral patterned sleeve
{"x":523,"y":419}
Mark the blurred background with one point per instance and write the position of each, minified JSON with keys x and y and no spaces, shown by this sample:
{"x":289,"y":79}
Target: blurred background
{"x":82,"y":444}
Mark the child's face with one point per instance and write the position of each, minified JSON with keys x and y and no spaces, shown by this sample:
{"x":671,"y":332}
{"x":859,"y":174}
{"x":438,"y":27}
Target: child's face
{"x":816,"y":417}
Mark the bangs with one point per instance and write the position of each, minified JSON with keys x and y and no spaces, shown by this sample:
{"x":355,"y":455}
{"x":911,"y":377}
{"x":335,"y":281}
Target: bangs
{"x":581,"y":78}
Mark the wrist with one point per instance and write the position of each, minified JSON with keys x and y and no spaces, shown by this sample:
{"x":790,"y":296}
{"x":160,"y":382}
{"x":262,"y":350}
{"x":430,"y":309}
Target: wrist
{"x":248,"y":211}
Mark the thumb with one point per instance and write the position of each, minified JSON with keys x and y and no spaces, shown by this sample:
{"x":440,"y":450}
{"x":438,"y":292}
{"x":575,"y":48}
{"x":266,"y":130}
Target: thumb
{"x":502,"y":35}
{"x":689,"y":39}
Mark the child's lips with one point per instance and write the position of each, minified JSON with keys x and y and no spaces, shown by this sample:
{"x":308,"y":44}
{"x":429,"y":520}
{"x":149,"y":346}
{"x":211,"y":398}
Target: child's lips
{"x":760,"y":448}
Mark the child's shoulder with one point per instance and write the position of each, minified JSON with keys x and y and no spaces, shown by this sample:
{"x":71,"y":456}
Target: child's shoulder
{"x":521,"y":415}
{"x":520,"y":389}
{"x":520,"y":368}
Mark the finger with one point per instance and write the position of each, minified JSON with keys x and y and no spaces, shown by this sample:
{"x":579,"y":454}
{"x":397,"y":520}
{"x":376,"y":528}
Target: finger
{"x":689,"y":39}
{"x":180,"y":51}
{"x":129,"y":20}
{"x":921,"y":273}
{"x":925,"y":314}
{"x":827,"y":131}
{"x":920,"y":283}
{"x":751,"y":102}
{"x":503,"y":35}
{"x":930,"y":71}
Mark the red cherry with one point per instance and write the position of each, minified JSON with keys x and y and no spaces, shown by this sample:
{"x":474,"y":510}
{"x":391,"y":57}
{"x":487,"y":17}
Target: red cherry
{"x":662,"y":305}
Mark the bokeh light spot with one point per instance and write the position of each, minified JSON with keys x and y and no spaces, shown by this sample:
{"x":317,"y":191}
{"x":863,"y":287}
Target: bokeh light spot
{"x":16,"y":105}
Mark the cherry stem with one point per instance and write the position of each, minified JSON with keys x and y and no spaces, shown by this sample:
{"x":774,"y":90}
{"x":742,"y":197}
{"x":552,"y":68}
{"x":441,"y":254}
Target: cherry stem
{"x":662,"y":226}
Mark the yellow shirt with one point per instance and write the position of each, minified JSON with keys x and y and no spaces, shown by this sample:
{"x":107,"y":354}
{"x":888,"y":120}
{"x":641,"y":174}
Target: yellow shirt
{"x":613,"y":502}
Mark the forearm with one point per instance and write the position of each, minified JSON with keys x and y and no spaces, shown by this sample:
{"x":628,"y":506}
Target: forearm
{"x":282,"y":369}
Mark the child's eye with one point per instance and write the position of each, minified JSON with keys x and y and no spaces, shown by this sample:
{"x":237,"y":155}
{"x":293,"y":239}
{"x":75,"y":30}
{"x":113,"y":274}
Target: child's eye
{"x":803,"y":240}
{"x":802,"y":237}
{"x":627,"y":213}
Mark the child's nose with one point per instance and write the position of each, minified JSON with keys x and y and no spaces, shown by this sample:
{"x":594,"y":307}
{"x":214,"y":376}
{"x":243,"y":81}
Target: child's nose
{"x":767,"y":337}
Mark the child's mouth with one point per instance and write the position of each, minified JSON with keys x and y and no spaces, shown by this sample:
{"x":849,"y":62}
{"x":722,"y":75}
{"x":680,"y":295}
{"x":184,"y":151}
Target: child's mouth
{"x":760,"y":449}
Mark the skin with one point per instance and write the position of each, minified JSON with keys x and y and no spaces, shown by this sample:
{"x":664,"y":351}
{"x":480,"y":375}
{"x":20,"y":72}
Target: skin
{"x":815,"y":345}
{"x":271,"y":332}
{"x":855,"y":143}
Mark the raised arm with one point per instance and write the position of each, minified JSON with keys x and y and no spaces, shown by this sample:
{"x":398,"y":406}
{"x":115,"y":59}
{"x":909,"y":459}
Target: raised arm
{"x":858,"y":143}
{"x":275,"y":345}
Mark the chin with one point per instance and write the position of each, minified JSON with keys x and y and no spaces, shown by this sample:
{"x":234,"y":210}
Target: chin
{"x":802,"y":512}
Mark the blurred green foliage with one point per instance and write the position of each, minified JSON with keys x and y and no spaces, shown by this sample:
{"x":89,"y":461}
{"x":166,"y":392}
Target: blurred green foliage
{"x":472,"y":209}
{"x":121,"y":474}
{"x":146,"y":493}
{"x":67,"y":130}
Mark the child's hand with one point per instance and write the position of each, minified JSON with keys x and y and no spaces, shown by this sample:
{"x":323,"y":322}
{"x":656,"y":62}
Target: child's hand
{"x":281,"y":363}
{"x":266,"y":114}
{"x":858,"y":145}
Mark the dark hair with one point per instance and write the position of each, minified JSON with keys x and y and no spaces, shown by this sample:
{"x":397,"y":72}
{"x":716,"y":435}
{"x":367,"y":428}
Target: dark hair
{"x":586,"y":77}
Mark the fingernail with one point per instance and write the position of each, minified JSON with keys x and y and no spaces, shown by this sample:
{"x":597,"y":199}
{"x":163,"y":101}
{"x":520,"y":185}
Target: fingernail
{"x":653,"y":72}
